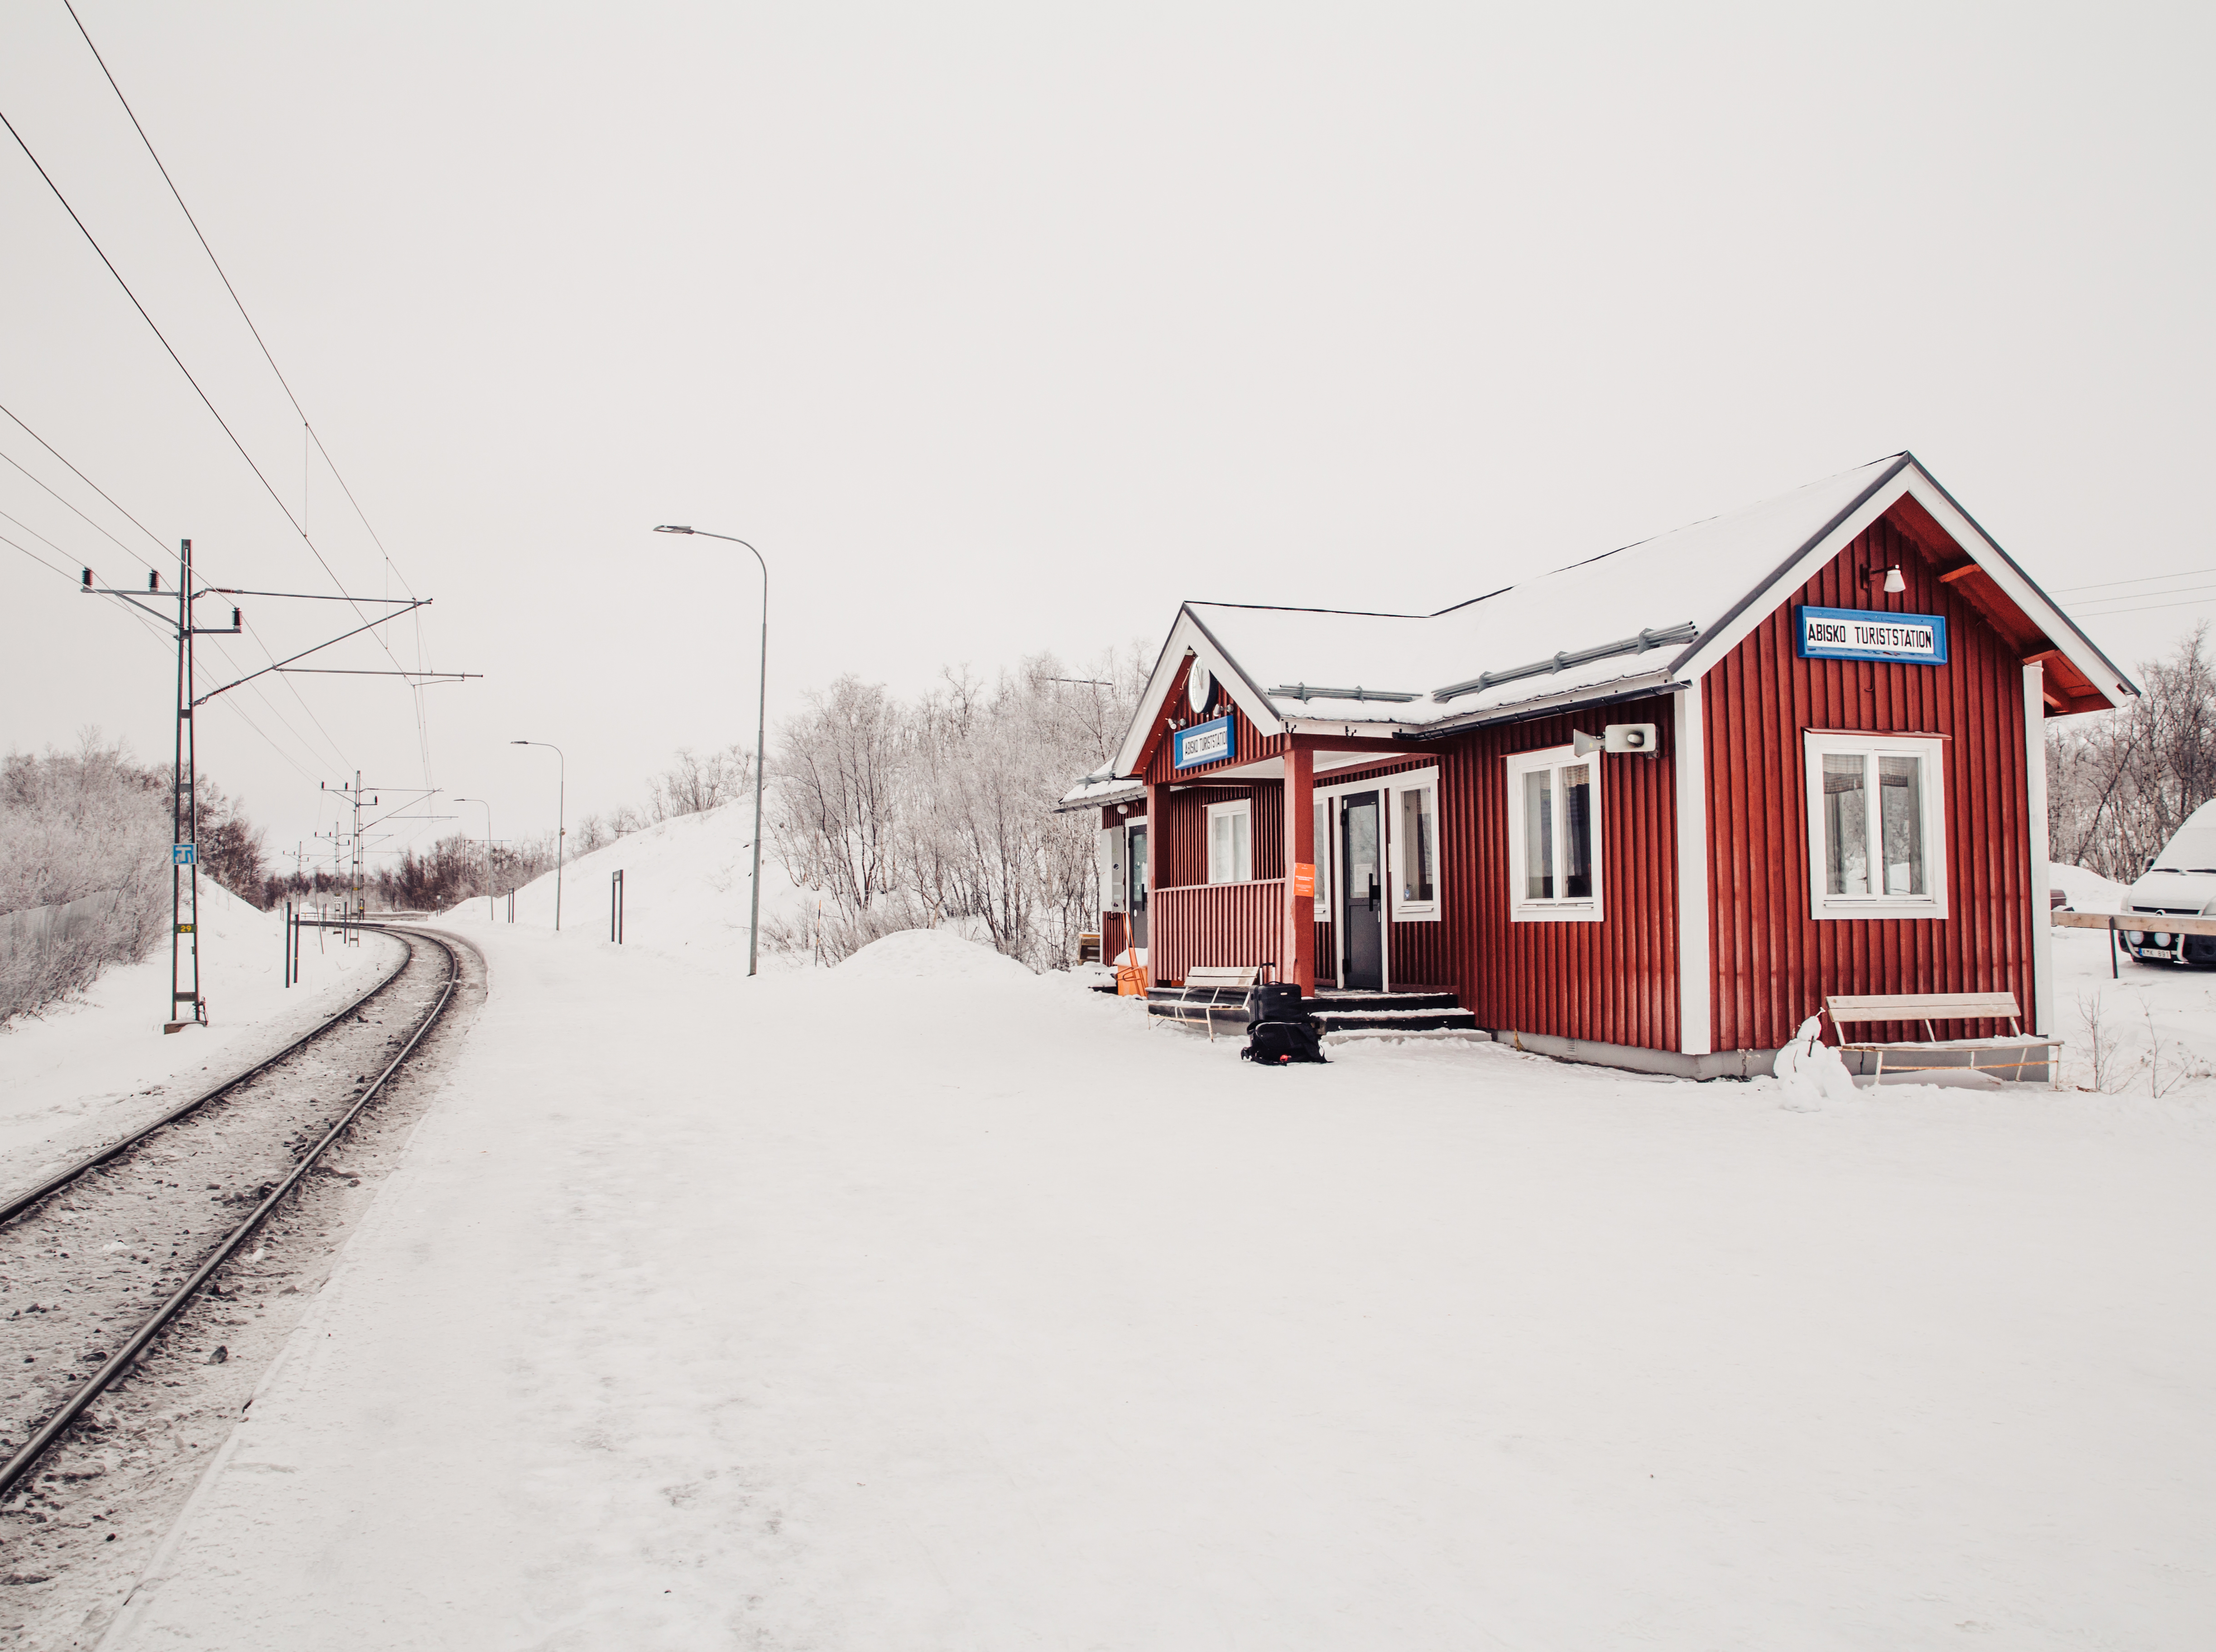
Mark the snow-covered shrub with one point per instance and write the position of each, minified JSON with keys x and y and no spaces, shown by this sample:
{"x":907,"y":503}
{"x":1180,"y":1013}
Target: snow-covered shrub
{"x":84,"y":870}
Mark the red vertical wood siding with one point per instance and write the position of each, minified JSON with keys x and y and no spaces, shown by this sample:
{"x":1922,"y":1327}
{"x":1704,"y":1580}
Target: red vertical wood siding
{"x":1774,"y":963}
{"x":1214,"y":924}
{"x":1183,"y":827}
{"x":1614,"y":981}
{"x":1115,"y":935}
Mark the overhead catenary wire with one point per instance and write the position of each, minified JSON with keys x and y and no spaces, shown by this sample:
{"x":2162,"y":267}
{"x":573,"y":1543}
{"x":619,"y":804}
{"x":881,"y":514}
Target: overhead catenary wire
{"x":159,"y":543}
{"x":2144,"y":578}
{"x":93,"y":241}
{"x":423,"y":733}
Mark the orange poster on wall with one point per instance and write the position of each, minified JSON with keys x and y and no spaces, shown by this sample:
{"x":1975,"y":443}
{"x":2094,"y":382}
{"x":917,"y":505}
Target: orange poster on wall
{"x":1304,"y":879}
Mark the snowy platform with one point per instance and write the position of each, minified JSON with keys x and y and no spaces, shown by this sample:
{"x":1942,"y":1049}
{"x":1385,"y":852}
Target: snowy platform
{"x":795,"y":1313}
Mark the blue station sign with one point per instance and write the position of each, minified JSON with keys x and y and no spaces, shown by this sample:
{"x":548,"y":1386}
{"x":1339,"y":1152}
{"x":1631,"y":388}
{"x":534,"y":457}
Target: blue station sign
{"x":1859,"y":634}
{"x":181,"y":854}
{"x":1204,"y":742}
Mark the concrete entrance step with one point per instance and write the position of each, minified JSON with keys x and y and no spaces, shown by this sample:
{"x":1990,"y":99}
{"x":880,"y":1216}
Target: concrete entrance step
{"x":1449,"y":1017}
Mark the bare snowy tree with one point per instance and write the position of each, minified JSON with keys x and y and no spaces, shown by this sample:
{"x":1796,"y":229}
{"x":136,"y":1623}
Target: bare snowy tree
{"x":949,"y":803}
{"x":2121,"y":784}
{"x":693,"y":784}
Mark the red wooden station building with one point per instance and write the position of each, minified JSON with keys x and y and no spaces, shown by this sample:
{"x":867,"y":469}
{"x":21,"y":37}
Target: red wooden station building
{"x":1647,"y":809}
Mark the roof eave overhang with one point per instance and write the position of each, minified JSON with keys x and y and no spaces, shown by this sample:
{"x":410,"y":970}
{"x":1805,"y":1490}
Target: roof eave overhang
{"x":1906,"y":477}
{"x":1189,"y":636}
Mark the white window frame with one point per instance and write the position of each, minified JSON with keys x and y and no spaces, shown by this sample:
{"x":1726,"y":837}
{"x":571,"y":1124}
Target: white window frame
{"x":1243,"y":808}
{"x":1414,"y":911}
{"x":1825,"y":907}
{"x":1561,"y":909}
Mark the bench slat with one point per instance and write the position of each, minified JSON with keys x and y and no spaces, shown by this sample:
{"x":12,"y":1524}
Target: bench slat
{"x":1924,"y":1006}
{"x":1221,"y":975}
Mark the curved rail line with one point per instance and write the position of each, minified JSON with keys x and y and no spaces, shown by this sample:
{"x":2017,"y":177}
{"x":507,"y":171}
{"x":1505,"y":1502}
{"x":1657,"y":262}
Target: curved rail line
{"x":54,"y":1427}
{"x":16,"y":1203}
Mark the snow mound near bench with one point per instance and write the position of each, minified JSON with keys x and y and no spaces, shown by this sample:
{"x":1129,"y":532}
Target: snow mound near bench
{"x":934,"y":955}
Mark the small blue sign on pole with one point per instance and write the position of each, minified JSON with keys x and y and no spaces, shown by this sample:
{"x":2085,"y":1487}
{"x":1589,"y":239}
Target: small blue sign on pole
{"x":181,"y":854}
{"x":1204,"y":742}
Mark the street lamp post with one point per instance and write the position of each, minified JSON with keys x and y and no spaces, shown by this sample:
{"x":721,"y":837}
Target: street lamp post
{"x":487,"y":807}
{"x":761,"y":724}
{"x":561,"y":817}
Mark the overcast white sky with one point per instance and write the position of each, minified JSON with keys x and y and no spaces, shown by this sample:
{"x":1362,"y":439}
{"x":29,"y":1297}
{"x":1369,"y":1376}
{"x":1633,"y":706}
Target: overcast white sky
{"x":1004,"y":329}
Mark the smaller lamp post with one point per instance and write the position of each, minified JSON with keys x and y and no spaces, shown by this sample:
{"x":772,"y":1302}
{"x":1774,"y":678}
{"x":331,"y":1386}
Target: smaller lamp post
{"x":561,"y":818}
{"x":487,"y":807}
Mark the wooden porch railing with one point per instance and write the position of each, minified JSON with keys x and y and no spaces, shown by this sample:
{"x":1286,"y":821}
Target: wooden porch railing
{"x":1195,"y":924}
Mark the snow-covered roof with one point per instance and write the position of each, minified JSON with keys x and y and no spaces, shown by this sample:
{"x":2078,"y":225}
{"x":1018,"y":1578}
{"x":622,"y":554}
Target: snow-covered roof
{"x":1651,"y":616}
{"x":1099,"y":790}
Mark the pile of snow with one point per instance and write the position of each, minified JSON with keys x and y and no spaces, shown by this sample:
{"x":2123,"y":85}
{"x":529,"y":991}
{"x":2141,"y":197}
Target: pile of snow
{"x":1811,"y":1072}
{"x":2086,"y":892}
{"x":931,"y":956}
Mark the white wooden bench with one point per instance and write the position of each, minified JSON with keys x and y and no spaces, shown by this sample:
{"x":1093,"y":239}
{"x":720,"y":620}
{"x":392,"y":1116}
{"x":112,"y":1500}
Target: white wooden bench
{"x":1211,"y":990}
{"x":1862,"y":1009}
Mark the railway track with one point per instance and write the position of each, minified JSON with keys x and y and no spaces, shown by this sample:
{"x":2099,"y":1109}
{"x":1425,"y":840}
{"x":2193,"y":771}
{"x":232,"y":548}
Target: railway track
{"x":272,"y":1135}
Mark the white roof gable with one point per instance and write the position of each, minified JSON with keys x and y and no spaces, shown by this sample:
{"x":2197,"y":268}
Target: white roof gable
{"x":1701,"y":588}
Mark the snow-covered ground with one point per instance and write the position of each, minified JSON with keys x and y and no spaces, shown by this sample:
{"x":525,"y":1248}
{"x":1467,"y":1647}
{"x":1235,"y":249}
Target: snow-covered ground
{"x":924,"y":1303}
{"x":89,"y":1067}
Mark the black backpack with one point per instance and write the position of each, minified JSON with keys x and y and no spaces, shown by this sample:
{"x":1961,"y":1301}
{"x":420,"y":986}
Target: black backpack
{"x":1274,"y":1043}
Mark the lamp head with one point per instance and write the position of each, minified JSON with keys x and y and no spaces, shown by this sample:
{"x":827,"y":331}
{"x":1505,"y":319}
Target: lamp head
{"x":671,"y":527}
{"x":1893,"y":582}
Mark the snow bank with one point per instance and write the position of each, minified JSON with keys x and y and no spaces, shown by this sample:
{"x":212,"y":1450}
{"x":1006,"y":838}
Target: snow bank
{"x":687,"y":886}
{"x":2087,"y":892}
{"x":931,"y":955}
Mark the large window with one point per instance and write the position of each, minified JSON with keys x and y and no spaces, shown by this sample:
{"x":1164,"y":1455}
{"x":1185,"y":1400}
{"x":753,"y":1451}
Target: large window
{"x":1554,"y":836}
{"x":1876,"y":827}
{"x":1231,"y":842}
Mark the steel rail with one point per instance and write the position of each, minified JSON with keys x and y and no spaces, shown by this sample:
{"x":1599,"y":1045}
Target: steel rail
{"x":93,"y":1386}
{"x":18,"y":1204}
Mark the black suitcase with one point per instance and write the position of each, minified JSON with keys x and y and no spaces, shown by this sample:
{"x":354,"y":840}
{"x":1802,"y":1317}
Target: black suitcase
{"x":1273,"y":1001}
{"x":1275,"y":1043}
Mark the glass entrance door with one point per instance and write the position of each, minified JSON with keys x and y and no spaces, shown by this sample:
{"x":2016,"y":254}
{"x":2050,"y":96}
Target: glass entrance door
{"x":1135,"y":858}
{"x":1360,"y":886}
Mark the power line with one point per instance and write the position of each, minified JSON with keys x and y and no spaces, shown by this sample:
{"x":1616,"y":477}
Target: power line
{"x":2095,"y":607}
{"x":422,"y":727}
{"x":91,"y":241}
{"x":89,"y":482}
{"x":2145,"y":578}
{"x":221,"y":274}
{"x":2149,"y":608}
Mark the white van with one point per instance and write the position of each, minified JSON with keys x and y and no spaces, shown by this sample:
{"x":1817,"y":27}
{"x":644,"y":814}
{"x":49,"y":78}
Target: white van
{"x":2181,"y":883}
